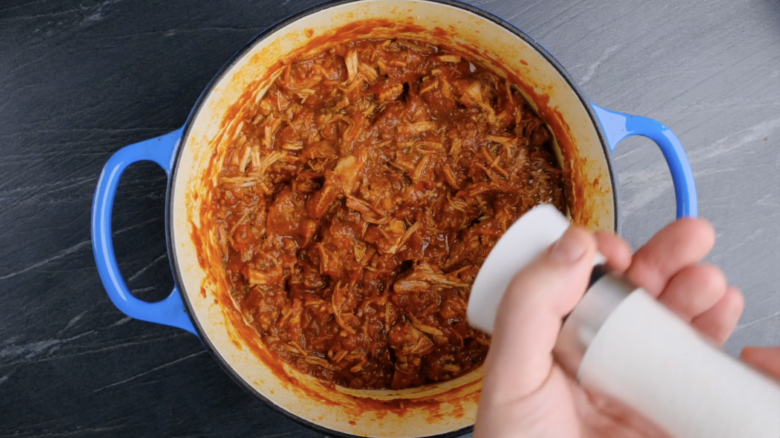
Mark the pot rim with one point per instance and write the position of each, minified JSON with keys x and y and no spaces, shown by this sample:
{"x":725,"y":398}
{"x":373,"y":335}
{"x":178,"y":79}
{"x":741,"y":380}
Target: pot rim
{"x":169,"y":235}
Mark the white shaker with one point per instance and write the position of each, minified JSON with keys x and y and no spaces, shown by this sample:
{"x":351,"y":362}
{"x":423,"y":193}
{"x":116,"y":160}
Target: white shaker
{"x":619,"y":341}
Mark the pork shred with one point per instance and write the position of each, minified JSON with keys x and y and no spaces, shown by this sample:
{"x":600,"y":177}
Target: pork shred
{"x":358,"y":200}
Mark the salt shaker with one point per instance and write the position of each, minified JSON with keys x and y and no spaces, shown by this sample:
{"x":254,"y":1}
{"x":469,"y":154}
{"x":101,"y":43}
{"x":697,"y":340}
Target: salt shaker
{"x":621,"y":342}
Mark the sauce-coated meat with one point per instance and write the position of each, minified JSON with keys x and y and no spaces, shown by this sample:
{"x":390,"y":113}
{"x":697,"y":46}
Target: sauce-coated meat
{"x":359,"y":200}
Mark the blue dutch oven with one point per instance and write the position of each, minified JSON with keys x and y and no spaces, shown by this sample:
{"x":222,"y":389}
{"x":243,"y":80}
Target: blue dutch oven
{"x":586,"y":135}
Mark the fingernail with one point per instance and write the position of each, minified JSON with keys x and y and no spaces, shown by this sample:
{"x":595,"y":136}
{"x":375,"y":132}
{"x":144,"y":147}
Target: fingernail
{"x":568,"y":249}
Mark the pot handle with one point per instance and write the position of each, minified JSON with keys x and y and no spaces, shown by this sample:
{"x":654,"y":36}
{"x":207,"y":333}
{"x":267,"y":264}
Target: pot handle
{"x":619,"y":126}
{"x":171,"y":310}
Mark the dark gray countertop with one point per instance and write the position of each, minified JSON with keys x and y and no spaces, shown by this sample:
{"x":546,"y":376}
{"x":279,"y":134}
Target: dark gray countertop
{"x":79,"y":79}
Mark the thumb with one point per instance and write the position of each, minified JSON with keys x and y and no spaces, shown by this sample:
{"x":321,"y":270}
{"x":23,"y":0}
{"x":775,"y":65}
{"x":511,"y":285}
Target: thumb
{"x":529,"y":317}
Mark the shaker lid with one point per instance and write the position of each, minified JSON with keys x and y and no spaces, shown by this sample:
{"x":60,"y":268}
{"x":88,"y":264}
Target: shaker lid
{"x":522,"y":243}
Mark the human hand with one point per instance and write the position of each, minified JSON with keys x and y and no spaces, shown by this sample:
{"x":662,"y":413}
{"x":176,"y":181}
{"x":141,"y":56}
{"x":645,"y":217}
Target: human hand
{"x":526,"y":393}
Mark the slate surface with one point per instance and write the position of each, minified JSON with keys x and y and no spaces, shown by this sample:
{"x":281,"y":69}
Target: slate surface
{"x":79,"y":79}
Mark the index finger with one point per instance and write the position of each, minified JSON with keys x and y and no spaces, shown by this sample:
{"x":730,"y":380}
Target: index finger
{"x":680,"y":244}
{"x":616,"y":250}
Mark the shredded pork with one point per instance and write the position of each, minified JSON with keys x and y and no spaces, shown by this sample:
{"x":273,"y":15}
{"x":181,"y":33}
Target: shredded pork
{"x":358,"y":200}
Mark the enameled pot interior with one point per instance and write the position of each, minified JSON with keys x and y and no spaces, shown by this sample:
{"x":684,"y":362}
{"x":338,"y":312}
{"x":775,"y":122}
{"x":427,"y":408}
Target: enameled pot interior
{"x":431,"y":410}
